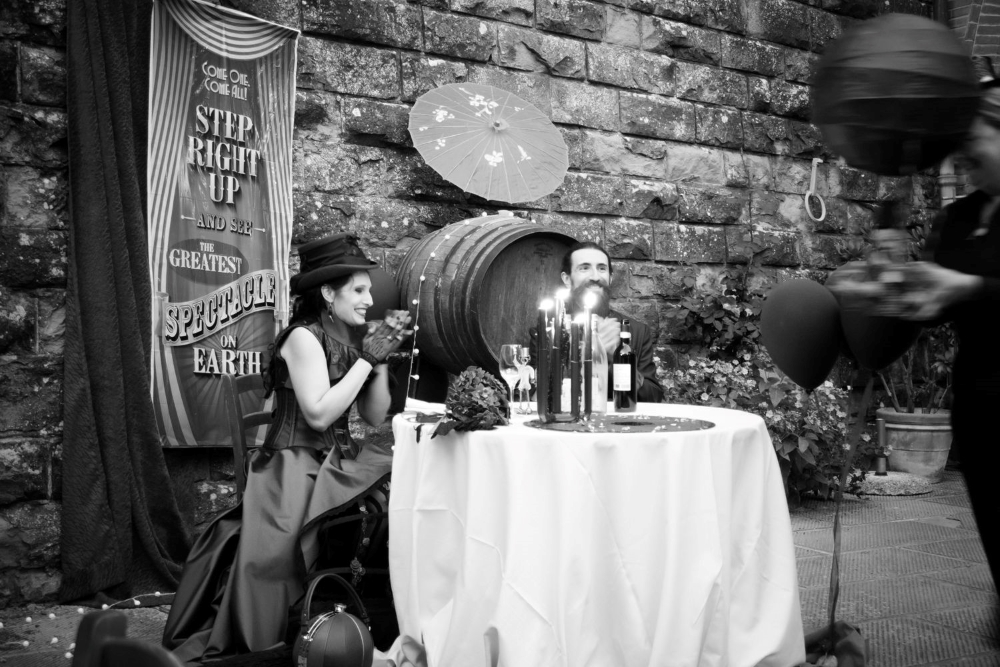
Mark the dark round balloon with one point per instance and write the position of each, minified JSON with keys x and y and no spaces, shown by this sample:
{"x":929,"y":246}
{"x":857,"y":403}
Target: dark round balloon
{"x":800,"y":328}
{"x":895,"y":94}
{"x":385,"y":294}
{"x":874,"y":341}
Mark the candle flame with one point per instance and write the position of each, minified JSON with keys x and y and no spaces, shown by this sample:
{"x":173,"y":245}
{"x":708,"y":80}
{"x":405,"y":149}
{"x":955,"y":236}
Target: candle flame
{"x":562,"y":294}
{"x":580,"y":319}
{"x":589,"y":300}
{"x":546,"y":304}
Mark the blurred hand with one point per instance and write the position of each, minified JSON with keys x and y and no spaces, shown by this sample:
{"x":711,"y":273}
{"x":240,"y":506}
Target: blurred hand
{"x":608,"y":330}
{"x":930,"y":288}
{"x":386,"y":336}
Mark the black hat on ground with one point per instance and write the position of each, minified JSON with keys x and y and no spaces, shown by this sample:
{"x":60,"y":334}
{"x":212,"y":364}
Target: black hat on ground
{"x":324,"y":259}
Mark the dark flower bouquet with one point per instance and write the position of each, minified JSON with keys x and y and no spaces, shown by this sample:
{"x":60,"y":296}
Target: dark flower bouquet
{"x":477,"y":401}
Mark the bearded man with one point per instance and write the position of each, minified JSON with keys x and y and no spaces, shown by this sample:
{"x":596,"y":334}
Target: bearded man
{"x":586,"y":267}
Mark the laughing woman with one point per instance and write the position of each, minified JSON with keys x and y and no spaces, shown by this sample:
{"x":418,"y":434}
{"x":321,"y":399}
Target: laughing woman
{"x":249,"y":566}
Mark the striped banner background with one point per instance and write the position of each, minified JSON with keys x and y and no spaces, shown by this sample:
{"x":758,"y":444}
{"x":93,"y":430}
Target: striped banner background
{"x":222,"y":85}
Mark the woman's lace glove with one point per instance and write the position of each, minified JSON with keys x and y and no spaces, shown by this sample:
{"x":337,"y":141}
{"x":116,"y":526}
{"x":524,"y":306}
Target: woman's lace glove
{"x":386,"y":336}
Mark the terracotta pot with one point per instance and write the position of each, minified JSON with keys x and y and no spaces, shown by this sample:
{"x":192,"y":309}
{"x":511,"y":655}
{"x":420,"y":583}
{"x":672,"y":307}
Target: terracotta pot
{"x":920,"y":441}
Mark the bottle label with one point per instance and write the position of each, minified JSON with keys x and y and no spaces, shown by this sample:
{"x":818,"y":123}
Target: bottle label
{"x":623,"y":377}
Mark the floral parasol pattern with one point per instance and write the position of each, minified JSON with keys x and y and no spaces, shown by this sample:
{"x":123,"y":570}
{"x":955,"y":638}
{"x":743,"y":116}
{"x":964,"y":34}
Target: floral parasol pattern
{"x":489,"y":142}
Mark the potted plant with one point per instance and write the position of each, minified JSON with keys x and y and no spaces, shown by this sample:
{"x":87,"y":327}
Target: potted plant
{"x":914,"y":431}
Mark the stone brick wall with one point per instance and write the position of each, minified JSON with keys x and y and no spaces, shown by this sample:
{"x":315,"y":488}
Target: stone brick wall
{"x":33,"y":219}
{"x":688,"y":129}
{"x":978,"y":23}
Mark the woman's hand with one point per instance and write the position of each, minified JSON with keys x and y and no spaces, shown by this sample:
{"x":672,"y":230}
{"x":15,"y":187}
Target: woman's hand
{"x":386,"y":336}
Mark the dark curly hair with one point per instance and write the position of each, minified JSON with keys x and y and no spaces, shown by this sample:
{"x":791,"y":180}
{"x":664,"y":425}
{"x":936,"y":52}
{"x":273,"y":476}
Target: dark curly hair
{"x":567,"y":260}
{"x":307,"y":308}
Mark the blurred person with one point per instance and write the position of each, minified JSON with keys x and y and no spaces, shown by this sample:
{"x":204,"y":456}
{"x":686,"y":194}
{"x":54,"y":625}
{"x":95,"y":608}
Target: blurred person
{"x":960,"y":282}
{"x":586,"y":267}
{"x":250,"y":564}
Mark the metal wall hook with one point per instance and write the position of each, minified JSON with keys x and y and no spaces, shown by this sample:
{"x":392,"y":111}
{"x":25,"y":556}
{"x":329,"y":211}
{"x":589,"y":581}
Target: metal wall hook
{"x":811,"y":192}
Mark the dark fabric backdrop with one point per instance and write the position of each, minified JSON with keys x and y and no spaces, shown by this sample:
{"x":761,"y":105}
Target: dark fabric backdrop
{"x":122,"y":534}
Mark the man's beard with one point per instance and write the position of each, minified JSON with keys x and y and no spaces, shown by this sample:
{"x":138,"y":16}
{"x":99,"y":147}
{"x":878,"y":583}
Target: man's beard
{"x":603,"y":294}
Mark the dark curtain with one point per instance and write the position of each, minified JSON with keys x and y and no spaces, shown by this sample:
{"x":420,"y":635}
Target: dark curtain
{"x":122,"y":533}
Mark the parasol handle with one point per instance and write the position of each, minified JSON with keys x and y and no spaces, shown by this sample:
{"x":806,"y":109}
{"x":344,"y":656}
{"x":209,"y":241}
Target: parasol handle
{"x":811,"y":192}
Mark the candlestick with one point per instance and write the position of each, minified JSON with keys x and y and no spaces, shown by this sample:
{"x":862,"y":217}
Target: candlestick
{"x":588,"y":366}
{"x":556,"y":370}
{"x":542,"y":377}
{"x":575,"y":337}
{"x":589,"y":301}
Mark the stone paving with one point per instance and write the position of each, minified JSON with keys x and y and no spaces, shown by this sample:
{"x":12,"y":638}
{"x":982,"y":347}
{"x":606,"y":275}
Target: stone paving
{"x":913,"y":579}
{"x":913,"y":576}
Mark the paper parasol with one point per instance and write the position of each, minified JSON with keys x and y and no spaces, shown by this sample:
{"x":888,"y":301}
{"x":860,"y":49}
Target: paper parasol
{"x":489,"y":142}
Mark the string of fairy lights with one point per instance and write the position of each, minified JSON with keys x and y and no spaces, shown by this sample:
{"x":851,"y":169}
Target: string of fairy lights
{"x":414,"y":376}
{"x":54,"y":641}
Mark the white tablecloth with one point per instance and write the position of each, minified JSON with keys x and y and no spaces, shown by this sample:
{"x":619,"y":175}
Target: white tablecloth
{"x":595,"y":550}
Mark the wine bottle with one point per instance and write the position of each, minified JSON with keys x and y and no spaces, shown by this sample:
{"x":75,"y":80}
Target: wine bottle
{"x":625,"y":367}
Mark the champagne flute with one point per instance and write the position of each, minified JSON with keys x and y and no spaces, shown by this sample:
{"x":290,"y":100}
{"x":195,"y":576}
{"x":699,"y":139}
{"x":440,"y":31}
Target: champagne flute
{"x":524,"y":357}
{"x":508,"y":368}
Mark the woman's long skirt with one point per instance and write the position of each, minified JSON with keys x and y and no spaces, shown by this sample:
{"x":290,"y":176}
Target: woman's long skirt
{"x":248,"y":567}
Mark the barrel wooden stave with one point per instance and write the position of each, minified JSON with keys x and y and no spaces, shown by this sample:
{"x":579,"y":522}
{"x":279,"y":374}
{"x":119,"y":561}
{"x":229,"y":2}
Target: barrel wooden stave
{"x":471,"y":283}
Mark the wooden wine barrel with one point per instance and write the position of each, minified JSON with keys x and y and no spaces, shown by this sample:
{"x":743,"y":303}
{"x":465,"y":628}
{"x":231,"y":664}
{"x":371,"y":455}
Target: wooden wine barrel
{"x":484,"y":278}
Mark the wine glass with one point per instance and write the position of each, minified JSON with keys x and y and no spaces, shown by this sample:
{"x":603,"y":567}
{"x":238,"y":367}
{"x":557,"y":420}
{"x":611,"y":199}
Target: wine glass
{"x":524,"y":357}
{"x":508,"y":368}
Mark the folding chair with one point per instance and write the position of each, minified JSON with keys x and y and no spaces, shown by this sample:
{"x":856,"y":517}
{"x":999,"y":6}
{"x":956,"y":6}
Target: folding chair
{"x":240,"y":390}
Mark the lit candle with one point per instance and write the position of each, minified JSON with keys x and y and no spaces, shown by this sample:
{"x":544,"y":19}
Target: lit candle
{"x":575,"y":331}
{"x":589,"y":301}
{"x":542,"y":377}
{"x":555,"y":372}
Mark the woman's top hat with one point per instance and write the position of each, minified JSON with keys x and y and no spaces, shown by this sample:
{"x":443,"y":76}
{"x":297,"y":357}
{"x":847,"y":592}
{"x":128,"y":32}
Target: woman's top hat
{"x":324,"y":259}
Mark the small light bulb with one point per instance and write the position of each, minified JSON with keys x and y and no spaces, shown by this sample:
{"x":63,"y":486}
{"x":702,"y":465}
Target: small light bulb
{"x":433,"y":254}
{"x":52,"y":615}
{"x":72,"y":646}
{"x":415,"y":377}
{"x":447,"y":236}
{"x":157,"y":593}
{"x":53,"y":641}
{"x":28,"y":619}
{"x":68,"y":655}
{"x":423,"y":278}
{"x":25,"y":643}
{"x":79,"y":610}
{"x":416,"y":351}
{"x":137,"y":603}
{"x":104,"y":606}
{"x":416,"y":302}
{"x":416,"y":327}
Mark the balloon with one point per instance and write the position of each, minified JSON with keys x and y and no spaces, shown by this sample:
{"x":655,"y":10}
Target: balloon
{"x":875,"y":341}
{"x":385,"y":294}
{"x":800,"y":328}
{"x":895,"y":94}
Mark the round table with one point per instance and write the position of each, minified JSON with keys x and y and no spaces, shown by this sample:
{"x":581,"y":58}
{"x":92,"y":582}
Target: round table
{"x":527,"y":548}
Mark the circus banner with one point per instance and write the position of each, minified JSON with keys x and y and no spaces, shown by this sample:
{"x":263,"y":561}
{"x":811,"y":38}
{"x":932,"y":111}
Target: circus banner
{"x":221,"y":106}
